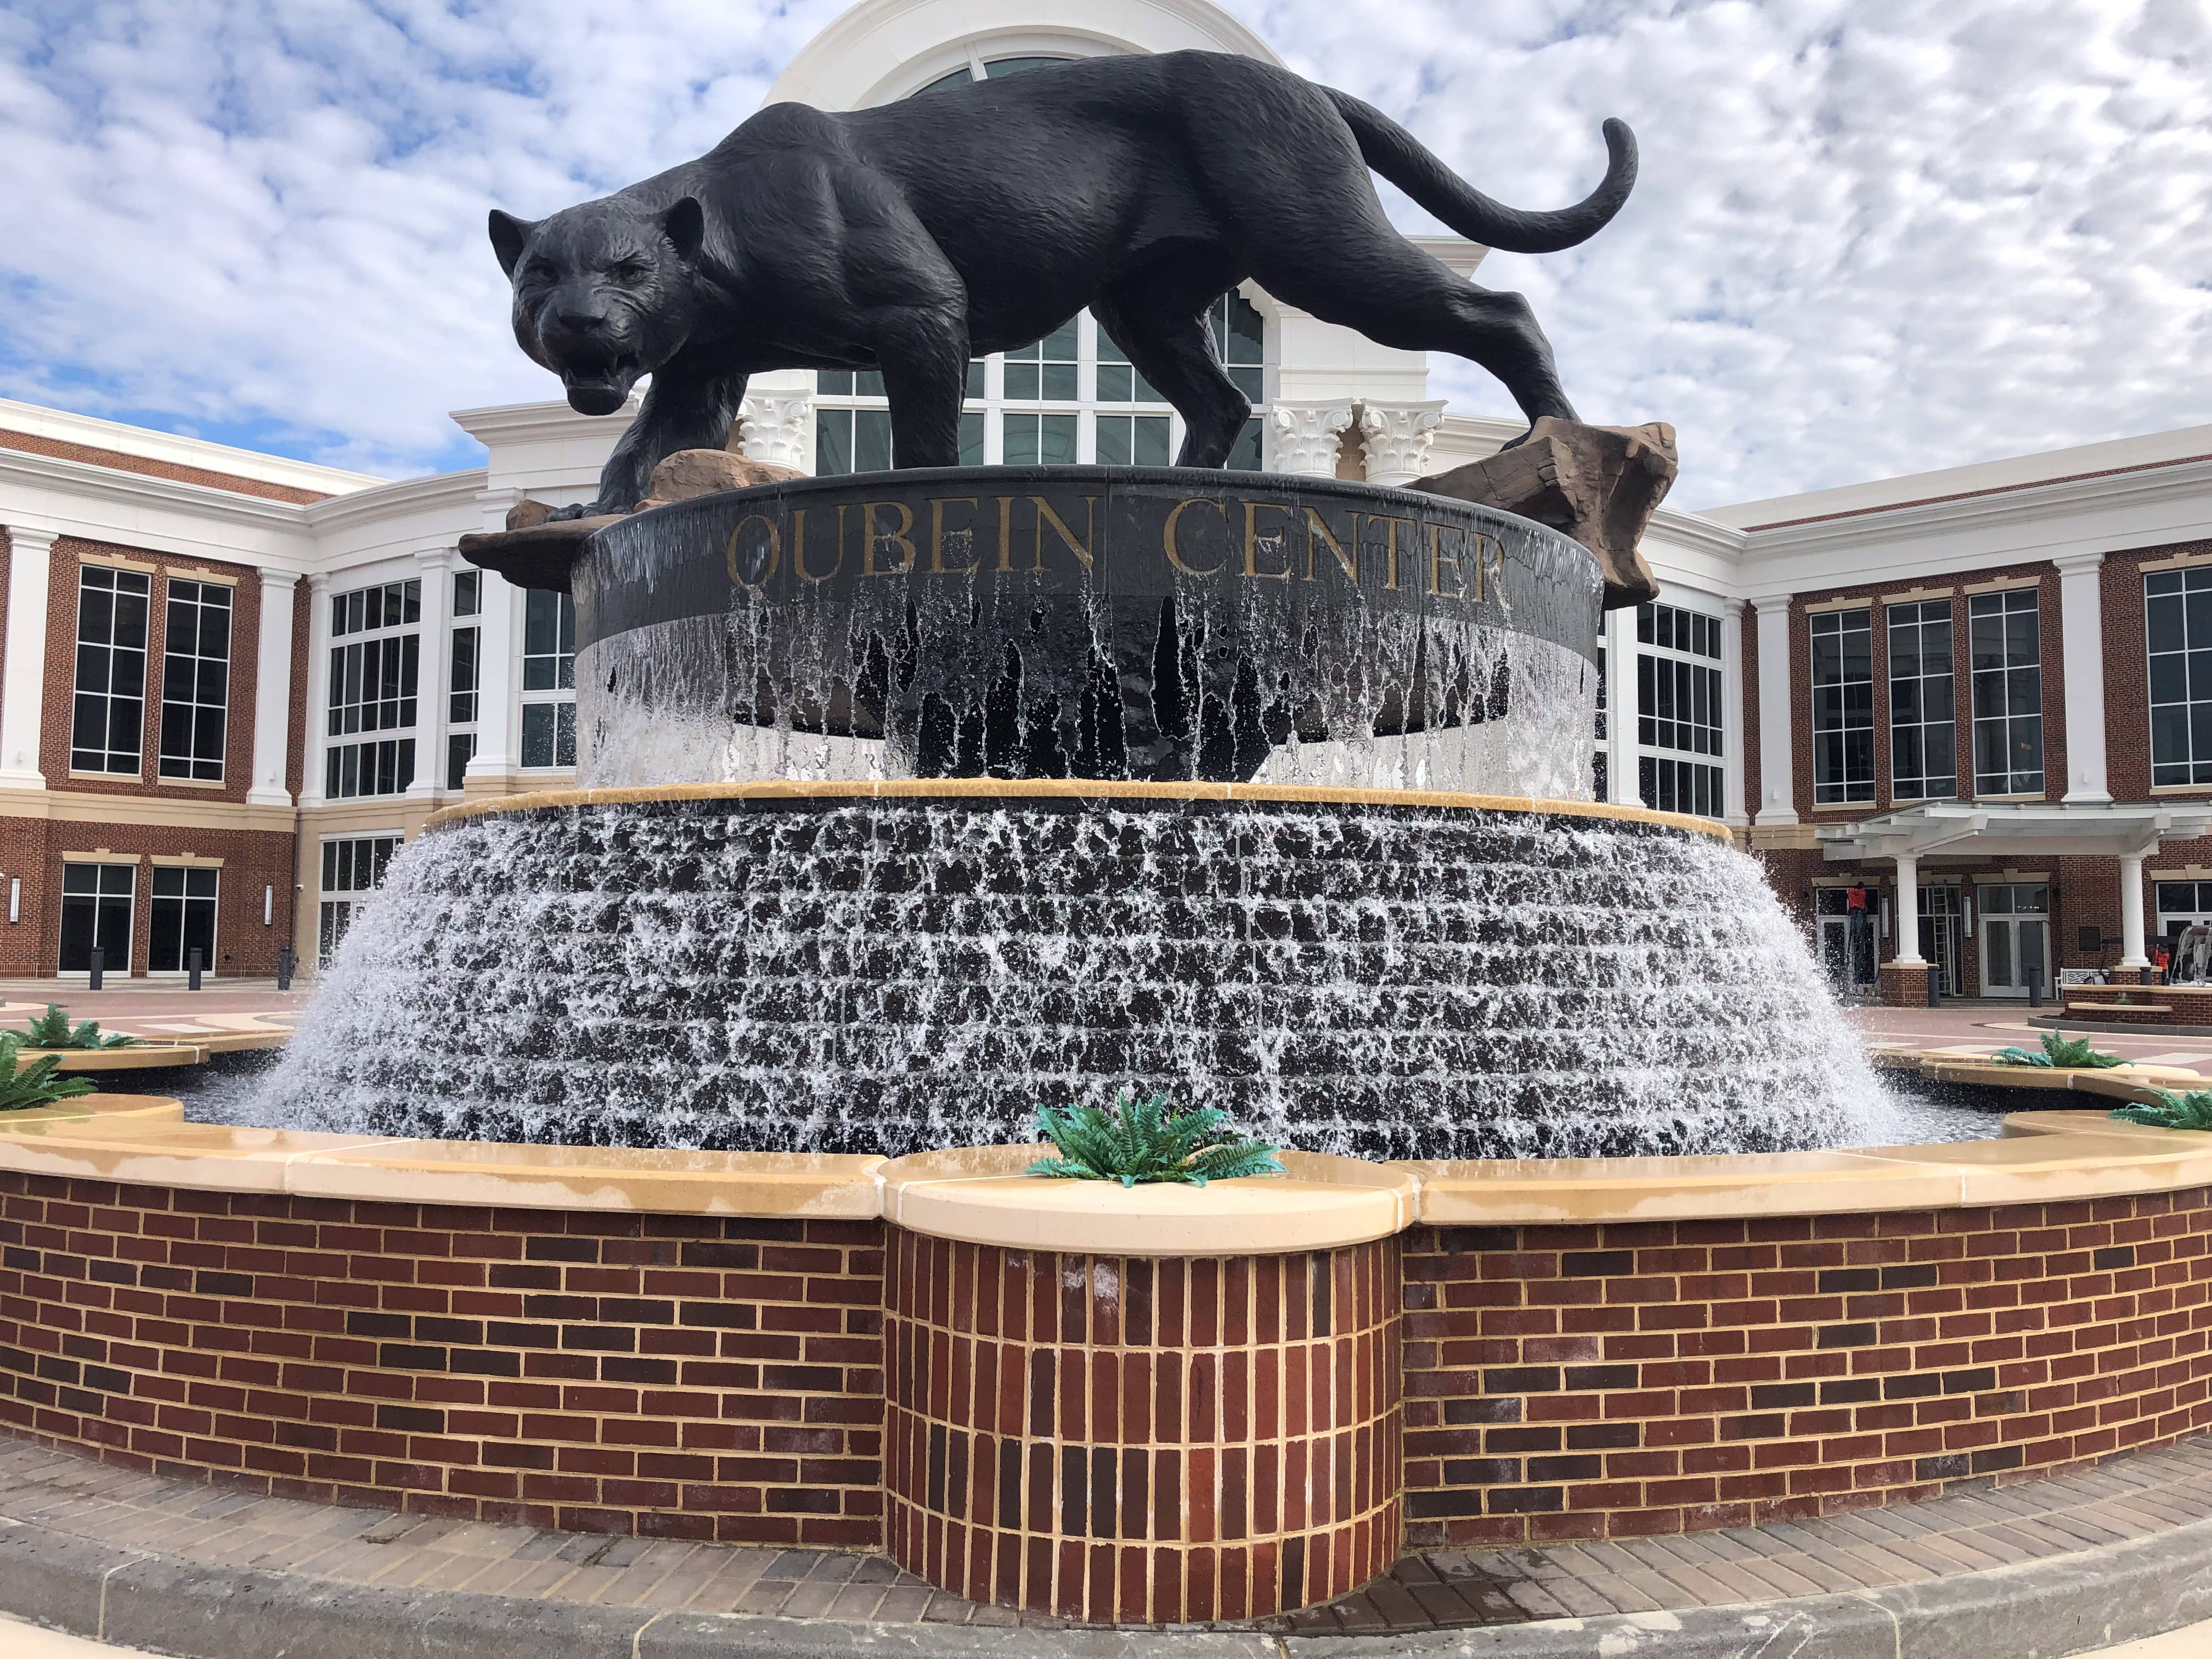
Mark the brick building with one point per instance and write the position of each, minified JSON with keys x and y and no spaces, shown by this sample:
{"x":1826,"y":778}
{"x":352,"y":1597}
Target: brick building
{"x":1970,"y":722}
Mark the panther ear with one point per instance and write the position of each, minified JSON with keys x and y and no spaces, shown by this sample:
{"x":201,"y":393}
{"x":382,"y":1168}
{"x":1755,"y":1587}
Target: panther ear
{"x":686,"y":224}
{"x":509,"y":235}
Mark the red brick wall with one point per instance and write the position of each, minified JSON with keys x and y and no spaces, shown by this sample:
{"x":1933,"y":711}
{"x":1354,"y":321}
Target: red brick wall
{"x":1147,"y":1441}
{"x":1607,"y":1381}
{"x":672,"y":1376}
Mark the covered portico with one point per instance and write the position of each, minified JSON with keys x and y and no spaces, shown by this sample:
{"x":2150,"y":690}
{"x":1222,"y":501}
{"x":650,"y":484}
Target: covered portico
{"x":2129,"y":832}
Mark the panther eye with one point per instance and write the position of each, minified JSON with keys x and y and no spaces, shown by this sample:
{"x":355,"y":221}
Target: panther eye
{"x":631,"y":271}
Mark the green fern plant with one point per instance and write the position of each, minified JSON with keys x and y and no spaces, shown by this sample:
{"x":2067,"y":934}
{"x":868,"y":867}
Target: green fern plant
{"x":2191,"y":1111}
{"x":1148,"y":1140}
{"x":2060,"y":1052}
{"x":23,"y":1087}
{"x":52,"y":1029}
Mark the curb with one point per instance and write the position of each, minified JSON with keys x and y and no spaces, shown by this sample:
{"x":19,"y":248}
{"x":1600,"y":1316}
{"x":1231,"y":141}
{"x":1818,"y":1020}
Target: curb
{"x":2046,"y":1609}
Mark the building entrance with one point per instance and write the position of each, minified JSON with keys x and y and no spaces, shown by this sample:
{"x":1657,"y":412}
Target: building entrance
{"x":1845,"y":937}
{"x":2015,"y":930}
{"x":1942,"y":922}
{"x":96,"y":916}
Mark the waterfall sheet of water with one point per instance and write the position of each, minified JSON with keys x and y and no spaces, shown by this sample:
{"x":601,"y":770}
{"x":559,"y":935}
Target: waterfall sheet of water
{"x":890,"y":975}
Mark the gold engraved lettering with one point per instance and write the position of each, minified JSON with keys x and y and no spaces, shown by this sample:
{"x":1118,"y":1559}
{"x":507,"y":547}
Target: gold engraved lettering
{"x":1082,"y":549}
{"x":1273,"y":543}
{"x":1437,"y":561}
{"x":1350,"y":561}
{"x":1005,"y":532}
{"x":799,"y":546}
{"x":775,"y":551}
{"x":963,"y":538}
{"x":900,"y":539}
{"x":1489,"y":569}
{"x":1391,"y":546}
{"x":1168,"y":534}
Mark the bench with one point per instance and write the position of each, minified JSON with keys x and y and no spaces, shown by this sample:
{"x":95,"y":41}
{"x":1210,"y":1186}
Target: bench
{"x":2146,"y":1010}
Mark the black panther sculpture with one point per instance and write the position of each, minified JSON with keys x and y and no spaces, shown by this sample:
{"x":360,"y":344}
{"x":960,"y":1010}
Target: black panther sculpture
{"x":974,"y":219}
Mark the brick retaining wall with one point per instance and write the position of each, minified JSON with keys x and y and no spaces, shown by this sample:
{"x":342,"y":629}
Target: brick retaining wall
{"x":1606,"y":1381}
{"x":676,"y":1376}
{"x":682,"y":1377}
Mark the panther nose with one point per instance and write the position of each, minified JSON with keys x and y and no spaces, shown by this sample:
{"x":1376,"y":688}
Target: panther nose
{"x":583,"y":322}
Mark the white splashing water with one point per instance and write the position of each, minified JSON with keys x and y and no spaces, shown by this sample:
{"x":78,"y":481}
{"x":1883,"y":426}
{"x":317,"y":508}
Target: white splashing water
{"x":1394,"y":982}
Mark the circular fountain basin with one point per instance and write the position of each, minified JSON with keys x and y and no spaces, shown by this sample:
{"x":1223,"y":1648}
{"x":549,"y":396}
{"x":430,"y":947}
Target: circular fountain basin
{"x":1092,"y":622}
{"x":1123,"y":1407}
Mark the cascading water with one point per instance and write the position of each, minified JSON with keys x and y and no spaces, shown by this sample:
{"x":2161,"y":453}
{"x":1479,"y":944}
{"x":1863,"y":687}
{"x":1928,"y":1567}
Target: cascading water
{"x":890,"y":965}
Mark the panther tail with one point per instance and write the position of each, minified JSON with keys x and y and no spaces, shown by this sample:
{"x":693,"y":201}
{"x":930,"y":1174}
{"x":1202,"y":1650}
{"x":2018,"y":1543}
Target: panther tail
{"x":1399,"y":157}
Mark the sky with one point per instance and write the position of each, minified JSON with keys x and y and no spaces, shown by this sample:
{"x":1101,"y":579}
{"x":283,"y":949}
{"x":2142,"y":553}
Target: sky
{"x":1871,"y":237}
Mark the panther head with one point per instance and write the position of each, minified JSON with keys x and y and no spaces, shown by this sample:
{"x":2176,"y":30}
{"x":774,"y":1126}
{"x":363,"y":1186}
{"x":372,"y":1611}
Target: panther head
{"x":603,"y":293}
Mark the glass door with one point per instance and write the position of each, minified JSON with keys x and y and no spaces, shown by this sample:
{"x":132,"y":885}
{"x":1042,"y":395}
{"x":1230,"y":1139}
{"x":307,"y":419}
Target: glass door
{"x":2015,"y":930}
{"x":182,"y":919}
{"x":96,"y":916}
{"x":1845,"y":939}
{"x":1942,"y":937}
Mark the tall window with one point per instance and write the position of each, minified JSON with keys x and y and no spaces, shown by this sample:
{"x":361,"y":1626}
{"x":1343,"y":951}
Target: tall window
{"x":1843,"y":707}
{"x":1924,"y":714}
{"x":107,"y":725}
{"x":463,"y":696}
{"x":372,"y":689}
{"x":1600,"y":759}
{"x":96,"y":916}
{"x":2177,"y":612}
{"x":182,"y":919}
{"x":548,"y":680}
{"x":353,"y":868}
{"x":2004,"y":636}
{"x":1679,"y":710}
{"x":194,"y":682}
{"x":2182,"y":904}
{"x":1073,"y":397}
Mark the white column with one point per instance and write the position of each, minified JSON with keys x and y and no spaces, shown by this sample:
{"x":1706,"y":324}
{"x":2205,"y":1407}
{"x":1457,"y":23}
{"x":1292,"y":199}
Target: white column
{"x":1731,"y":721}
{"x":778,"y":427}
{"x":1304,"y":440}
{"x":1622,"y":782}
{"x":433,"y":671}
{"x":2131,"y":900}
{"x":497,"y":656}
{"x":319,"y":689}
{"x":2081,"y":638}
{"x":1904,"y":948}
{"x":272,"y":692}
{"x":23,"y":680}
{"x":1397,"y":438}
{"x":1778,"y":788}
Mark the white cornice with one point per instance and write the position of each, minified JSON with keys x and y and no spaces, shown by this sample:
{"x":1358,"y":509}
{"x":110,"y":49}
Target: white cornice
{"x":507,"y":423}
{"x":64,"y":426}
{"x":90,"y":480}
{"x":454,"y":491}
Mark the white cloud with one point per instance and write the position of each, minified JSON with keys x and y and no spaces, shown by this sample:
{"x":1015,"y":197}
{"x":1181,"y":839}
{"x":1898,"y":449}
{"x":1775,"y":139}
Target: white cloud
{"x":1872,"y":236}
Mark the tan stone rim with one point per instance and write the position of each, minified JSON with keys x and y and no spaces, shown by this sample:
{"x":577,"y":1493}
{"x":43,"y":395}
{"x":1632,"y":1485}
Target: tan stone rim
{"x":1075,"y":789}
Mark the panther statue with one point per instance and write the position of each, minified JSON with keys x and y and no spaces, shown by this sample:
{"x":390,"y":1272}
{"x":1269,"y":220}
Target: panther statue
{"x":973,"y":219}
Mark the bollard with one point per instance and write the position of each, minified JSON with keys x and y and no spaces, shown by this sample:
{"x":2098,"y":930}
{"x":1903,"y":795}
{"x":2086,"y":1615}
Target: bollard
{"x":99,"y":971}
{"x":1934,"y":988}
{"x":2035,"y":987}
{"x":284,"y":961}
{"x":193,"y":959}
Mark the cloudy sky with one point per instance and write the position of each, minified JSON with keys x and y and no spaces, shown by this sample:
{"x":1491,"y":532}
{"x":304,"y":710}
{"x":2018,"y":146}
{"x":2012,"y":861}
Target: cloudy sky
{"x":1872,"y":236}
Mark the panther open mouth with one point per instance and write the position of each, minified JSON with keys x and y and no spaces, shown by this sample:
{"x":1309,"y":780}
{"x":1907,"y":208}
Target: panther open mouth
{"x":598,"y":383}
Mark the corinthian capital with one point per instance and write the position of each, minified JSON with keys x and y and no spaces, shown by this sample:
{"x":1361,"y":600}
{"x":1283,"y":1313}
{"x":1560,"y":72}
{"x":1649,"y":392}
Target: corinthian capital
{"x":777,"y":426}
{"x":1396,"y":439}
{"x":1304,"y":439}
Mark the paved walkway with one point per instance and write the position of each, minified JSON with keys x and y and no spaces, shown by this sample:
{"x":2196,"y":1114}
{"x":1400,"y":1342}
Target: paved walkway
{"x":1977,"y":1028}
{"x":2128,"y":1502}
{"x":158,"y":1009}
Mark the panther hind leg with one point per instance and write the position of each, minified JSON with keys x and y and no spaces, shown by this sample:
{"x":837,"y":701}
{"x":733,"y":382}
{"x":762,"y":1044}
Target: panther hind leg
{"x":1157,"y":317}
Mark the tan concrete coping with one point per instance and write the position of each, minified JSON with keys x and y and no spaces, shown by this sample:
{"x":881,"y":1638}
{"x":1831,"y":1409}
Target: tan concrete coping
{"x":979,"y":1194}
{"x":1066,"y":789}
{"x":216,"y":1158}
{"x":137,"y":1057}
{"x":142,"y":1109}
{"x":2088,"y":1155}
